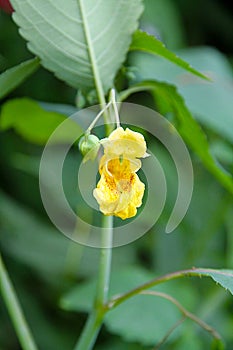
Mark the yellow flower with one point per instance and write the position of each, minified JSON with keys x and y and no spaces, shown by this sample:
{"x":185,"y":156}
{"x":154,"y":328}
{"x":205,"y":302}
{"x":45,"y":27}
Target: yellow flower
{"x":120,"y":191}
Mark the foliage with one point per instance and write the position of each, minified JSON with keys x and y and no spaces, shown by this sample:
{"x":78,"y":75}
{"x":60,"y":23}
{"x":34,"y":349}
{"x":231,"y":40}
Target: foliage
{"x":148,"y":43}
{"x":169,"y":100}
{"x":34,"y":123}
{"x":16,"y":75}
{"x":85,"y":39}
{"x":52,"y":282}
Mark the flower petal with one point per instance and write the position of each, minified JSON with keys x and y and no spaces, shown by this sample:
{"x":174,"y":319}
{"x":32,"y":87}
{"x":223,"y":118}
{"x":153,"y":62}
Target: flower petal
{"x":119,"y":197}
{"x":128,"y":143}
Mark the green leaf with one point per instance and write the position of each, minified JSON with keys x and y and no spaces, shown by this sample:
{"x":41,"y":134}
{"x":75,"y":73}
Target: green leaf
{"x":224,"y":277}
{"x":148,"y":43}
{"x":14,"y":76}
{"x":187,"y":126}
{"x":34,"y":123}
{"x":83,"y":42}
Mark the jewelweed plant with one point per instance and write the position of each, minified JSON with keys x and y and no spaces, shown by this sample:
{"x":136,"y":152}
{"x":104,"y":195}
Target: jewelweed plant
{"x":97,"y":49}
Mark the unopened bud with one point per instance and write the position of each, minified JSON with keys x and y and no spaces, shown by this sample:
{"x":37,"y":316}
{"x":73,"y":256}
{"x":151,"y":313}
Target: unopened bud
{"x":89,"y":146}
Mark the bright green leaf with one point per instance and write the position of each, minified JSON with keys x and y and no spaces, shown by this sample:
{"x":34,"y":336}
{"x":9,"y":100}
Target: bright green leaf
{"x":83,"y":42}
{"x":34,"y":123}
{"x":187,"y":126}
{"x":14,"y":76}
{"x":150,"y":44}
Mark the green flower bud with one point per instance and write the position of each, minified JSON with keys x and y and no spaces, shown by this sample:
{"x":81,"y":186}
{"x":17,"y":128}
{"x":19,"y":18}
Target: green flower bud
{"x":89,"y":146}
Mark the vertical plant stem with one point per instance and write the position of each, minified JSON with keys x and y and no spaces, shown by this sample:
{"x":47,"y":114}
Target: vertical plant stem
{"x":95,"y":69}
{"x":105,"y":262}
{"x":94,"y":321}
{"x":93,"y":324}
{"x":15,"y":311}
{"x":90,"y":331}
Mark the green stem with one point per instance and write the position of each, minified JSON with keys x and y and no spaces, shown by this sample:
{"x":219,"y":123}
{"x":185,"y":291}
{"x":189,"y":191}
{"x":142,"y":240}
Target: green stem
{"x":93,"y":324}
{"x":91,"y":126}
{"x":94,"y":321}
{"x":90,"y":331}
{"x":134,"y":89}
{"x":15,"y":311}
{"x":154,"y":282}
{"x":98,"y":83}
{"x":105,"y":262}
{"x":93,"y":60}
{"x":185,"y":312}
{"x":167,"y":335}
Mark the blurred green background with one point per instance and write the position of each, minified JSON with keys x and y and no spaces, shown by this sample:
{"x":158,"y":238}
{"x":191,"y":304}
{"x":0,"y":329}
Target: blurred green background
{"x":45,"y":266}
